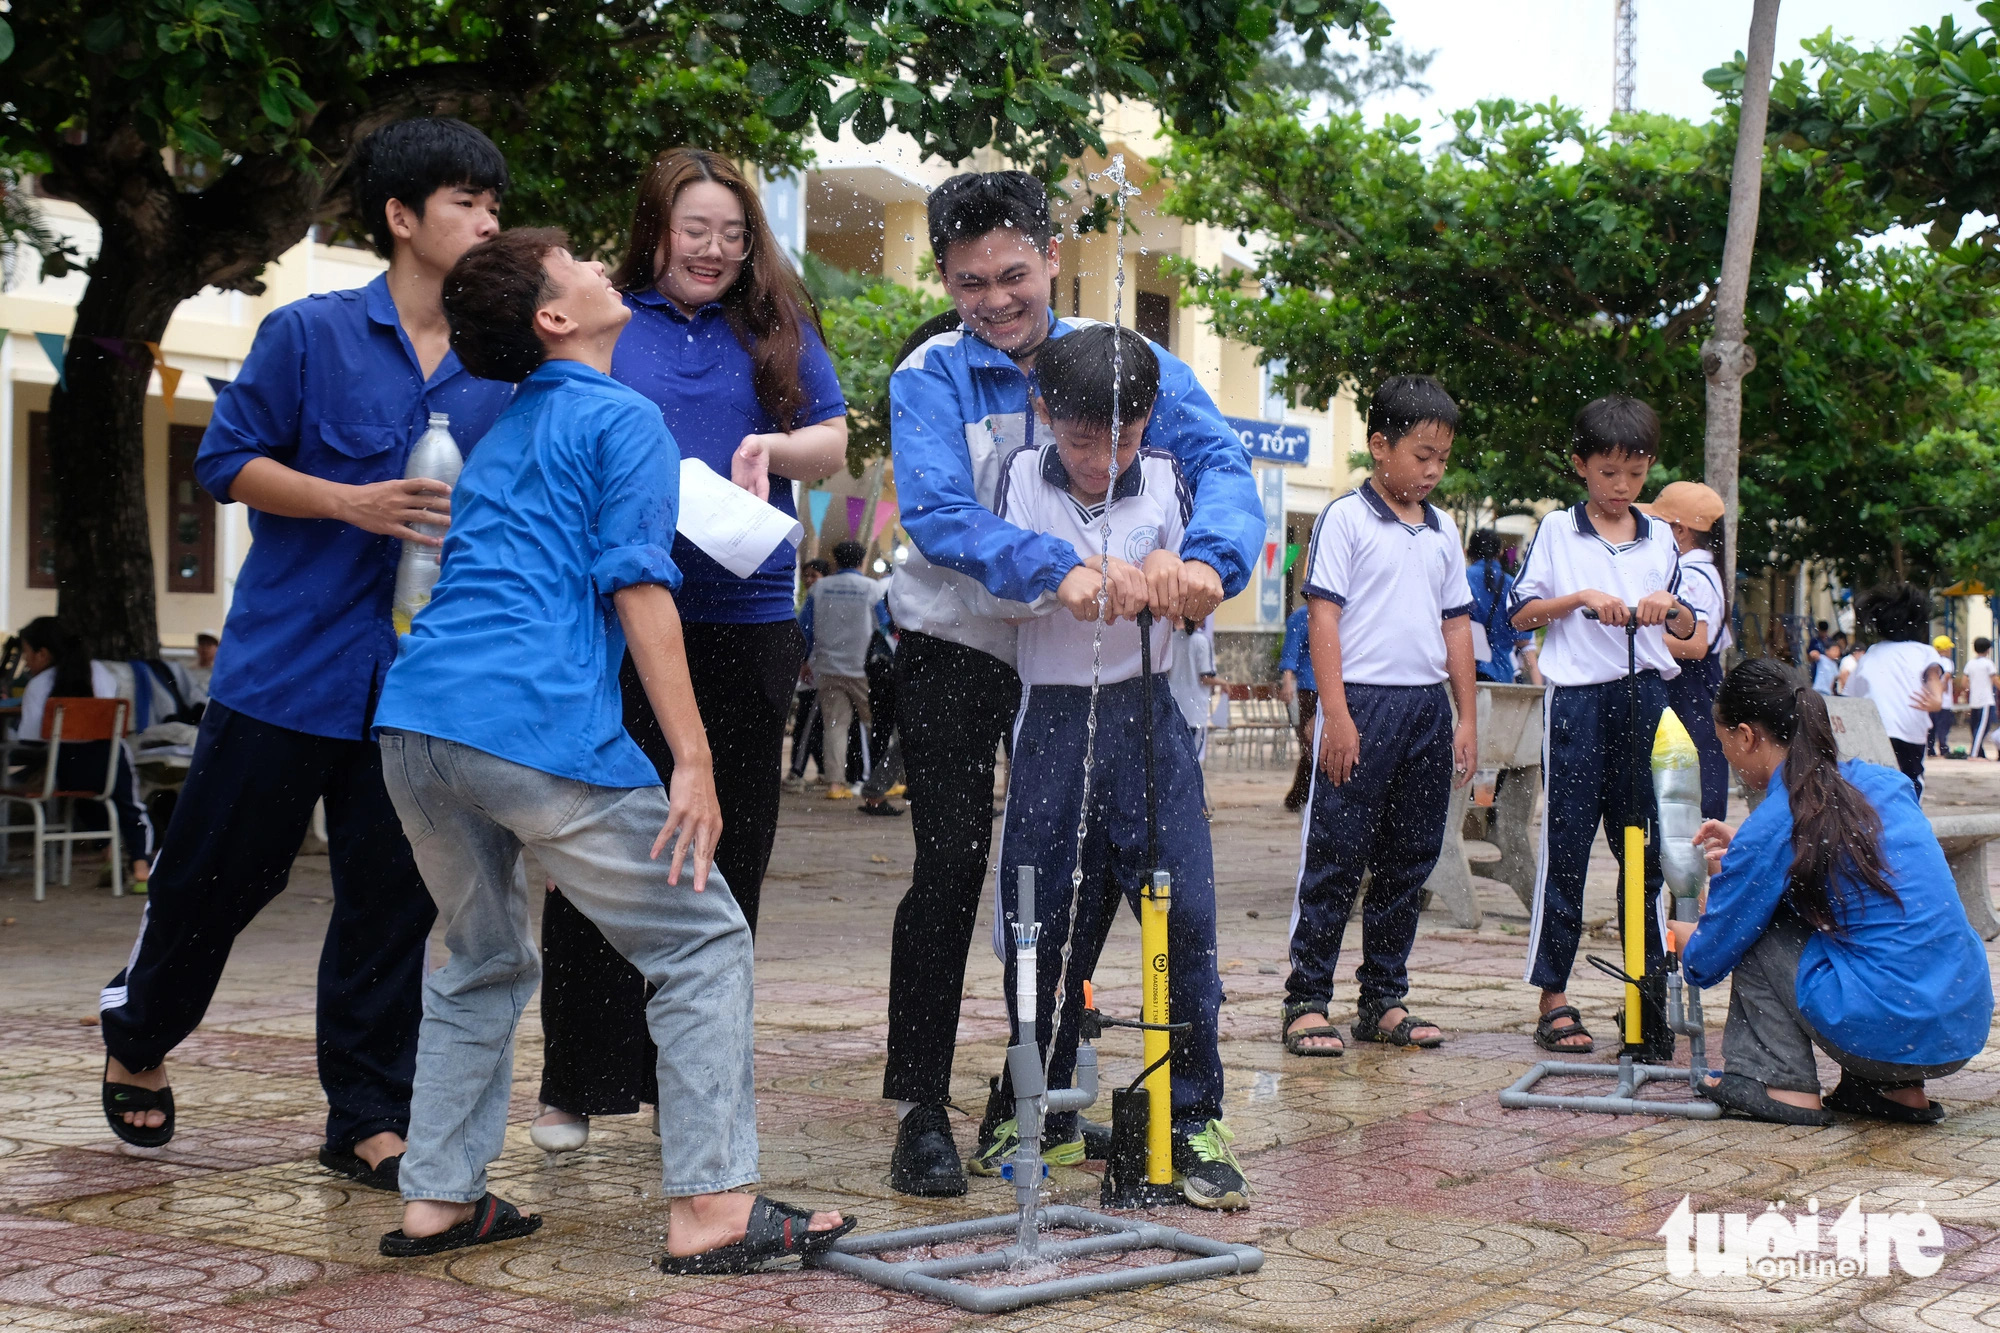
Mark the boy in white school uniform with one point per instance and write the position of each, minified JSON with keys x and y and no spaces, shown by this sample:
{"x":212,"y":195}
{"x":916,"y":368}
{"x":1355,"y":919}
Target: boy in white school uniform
{"x":1979,"y":674}
{"x":1389,"y":622}
{"x":1601,"y":556}
{"x":1063,"y":487}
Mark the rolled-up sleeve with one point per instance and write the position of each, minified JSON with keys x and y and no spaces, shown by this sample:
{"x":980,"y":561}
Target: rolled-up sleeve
{"x":257,"y":414}
{"x":639,"y":467}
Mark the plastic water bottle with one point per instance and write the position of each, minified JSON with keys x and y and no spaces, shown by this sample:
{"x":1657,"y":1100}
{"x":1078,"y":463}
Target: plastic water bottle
{"x":436,"y":458}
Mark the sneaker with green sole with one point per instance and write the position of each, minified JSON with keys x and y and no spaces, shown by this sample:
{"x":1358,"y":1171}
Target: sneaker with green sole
{"x":1206,"y":1170}
{"x":998,"y":1146}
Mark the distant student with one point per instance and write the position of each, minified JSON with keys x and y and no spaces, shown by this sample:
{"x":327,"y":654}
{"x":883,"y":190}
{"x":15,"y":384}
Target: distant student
{"x":1601,"y":556}
{"x":1492,"y":589}
{"x":1942,"y":720}
{"x":1063,"y":488}
{"x":1826,"y":668}
{"x":1901,"y":673}
{"x":1298,"y":687}
{"x":1693,"y":512}
{"x":840,"y":616}
{"x":1391,"y":621}
{"x":1979,"y":674}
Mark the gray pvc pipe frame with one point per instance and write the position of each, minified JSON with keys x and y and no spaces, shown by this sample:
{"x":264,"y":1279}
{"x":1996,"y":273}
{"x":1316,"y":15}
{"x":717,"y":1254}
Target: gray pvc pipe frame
{"x":1631,"y":1075}
{"x":933,"y":1278}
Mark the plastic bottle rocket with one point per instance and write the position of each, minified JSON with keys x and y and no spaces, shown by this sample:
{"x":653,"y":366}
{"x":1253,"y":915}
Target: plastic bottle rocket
{"x":435,"y":456}
{"x":1677,"y":788}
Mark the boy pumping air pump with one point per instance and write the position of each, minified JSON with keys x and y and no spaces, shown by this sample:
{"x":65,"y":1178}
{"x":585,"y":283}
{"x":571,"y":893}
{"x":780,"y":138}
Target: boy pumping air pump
{"x":1063,"y":486}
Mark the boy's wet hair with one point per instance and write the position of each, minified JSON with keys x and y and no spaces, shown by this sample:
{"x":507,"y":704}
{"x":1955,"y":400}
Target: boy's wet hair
{"x":968,"y":206}
{"x":1982,"y":646}
{"x":1075,"y":375}
{"x":1897,"y":612}
{"x":849,"y":554}
{"x":490,"y":299}
{"x":413,"y":159}
{"x":1615,"y":424}
{"x":1402,"y":403}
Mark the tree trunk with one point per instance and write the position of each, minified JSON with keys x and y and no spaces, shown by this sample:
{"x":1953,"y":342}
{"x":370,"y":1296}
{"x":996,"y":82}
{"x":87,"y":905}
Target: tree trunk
{"x":1725,"y":357}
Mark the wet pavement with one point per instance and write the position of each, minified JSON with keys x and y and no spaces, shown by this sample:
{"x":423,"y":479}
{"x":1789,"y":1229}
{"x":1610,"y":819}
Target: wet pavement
{"x":1392,"y":1190}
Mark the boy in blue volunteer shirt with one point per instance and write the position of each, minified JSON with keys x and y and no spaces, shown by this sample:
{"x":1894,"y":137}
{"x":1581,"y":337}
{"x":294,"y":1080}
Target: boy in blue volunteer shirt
{"x":1063,"y":488}
{"x":959,"y":405}
{"x":1301,"y":690}
{"x":313,"y":435}
{"x":1390,"y":624}
{"x":1600,"y":556}
{"x":558,"y":559}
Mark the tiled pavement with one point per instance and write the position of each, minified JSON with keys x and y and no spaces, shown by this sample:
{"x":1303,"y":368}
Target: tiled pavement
{"x":1393,"y":1193}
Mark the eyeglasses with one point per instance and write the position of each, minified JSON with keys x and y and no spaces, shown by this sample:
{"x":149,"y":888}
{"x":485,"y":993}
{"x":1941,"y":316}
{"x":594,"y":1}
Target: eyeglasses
{"x":730,"y":242}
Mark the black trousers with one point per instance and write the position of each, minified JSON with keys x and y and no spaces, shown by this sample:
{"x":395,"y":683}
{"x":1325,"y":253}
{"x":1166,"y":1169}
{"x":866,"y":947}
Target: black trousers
{"x":954,"y":706}
{"x":82,"y":769}
{"x":598,"y":1056}
{"x":241,"y":817}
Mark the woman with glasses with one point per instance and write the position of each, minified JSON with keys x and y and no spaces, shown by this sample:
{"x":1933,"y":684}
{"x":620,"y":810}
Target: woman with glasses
{"x":725,"y":339}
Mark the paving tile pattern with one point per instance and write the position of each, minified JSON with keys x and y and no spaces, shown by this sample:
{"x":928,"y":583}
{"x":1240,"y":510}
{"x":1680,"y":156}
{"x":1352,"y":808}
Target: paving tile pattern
{"x":1393,"y":1193}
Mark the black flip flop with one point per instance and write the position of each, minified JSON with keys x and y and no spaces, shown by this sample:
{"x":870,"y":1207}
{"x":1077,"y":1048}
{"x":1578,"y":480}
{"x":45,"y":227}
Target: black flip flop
{"x":1748,"y":1098}
{"x":1857,"y":1098}
{"x":121,"y":1098}
{"x":385,"y":1176}
{"x":493,"y":1219}
{"x":1550,"y":1037}
{"x":776,"y":1231}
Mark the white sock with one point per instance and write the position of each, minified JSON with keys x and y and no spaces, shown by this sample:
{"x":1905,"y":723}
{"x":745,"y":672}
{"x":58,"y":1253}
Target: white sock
{"x":903,"y":1109}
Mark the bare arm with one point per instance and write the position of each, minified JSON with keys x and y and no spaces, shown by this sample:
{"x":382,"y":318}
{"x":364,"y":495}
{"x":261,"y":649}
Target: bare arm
{"x":1458,"y":667}
{"x":1547,"y":610}
{"x":807,"y":454}
{"x":653,"y":633}
{"x":1340,"y":740}
{"x":387,"y":507}
{"x":1691,"y":649}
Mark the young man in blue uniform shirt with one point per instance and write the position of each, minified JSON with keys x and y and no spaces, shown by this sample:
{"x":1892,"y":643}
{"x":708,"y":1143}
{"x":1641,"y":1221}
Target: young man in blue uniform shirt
{"x":1601,"y":556}
{"x":959,"y":405}
{"x":313,"y":435}
{"x":1390,"y":625}
{"x":559,"y":559}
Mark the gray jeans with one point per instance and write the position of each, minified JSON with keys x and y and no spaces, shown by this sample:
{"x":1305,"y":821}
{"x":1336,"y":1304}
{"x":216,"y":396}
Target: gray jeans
{"x":1767,"y":1039}
{"x":468,"y":814}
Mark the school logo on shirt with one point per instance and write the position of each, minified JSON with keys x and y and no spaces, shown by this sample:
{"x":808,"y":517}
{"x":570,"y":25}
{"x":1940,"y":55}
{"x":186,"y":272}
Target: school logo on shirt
{"x":1655,"y":580}
{"x":1142,"y":543}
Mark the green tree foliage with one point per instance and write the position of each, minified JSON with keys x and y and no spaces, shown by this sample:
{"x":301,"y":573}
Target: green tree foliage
{"x":1536,"y":263}
{"x":866,"y":319}
{"x":206,"y":137}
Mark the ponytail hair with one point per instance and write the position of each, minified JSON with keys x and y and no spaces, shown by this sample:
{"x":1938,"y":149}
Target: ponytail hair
{"x":1834,"y":828}
{"x":72,"y":668}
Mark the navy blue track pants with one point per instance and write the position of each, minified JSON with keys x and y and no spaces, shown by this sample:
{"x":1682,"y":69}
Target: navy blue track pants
{"x":227,"y":852}
{"x":1597,"y":772}
{"x":1692,"y":697}
{"x":1044,"y":795}
{"x":1387,"y":821}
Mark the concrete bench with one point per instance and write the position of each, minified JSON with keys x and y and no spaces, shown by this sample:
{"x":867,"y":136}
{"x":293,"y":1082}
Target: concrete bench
{"x":1510,"y":741}
{"x":1859,"y":734}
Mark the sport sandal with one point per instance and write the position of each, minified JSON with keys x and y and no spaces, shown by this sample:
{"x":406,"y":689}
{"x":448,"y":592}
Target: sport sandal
{"x":123,"y":1098}
{"x":775,"y":1231}
{"x":1371,"y":1029}
{"x":1550,"y":1037}
{"x":493,"y":1219}
{"x":1295,"y":1041}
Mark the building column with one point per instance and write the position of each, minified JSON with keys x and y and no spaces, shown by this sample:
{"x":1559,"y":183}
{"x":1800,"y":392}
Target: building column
{"x":1194,"y":341}
{"x":906,"y":246}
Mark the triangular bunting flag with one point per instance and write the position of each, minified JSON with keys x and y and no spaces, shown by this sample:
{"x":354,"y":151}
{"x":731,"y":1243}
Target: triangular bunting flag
{"x":818,"y":502}
{"x":52,"y":347}
{"x":1270,"y":557}
{"x":216,"y":386}
{"x":1291,"y":556}
{"x":121,"y":348}
{"x":170,"y":378}
{"x":883,"y":518}
{"x":855,"y":504}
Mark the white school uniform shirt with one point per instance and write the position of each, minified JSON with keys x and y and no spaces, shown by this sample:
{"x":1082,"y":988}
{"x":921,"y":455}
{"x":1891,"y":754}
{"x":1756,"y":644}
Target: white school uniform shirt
{"x":1889,"y":674}
{"x":1395,"y":583}
{"x":1194,"y":657}
{"x":1568,"y":556}
{"x":35,"y":699}
{"x":1701,"y":589}
{"x":1149,"y":510}
{"x":1979,"y":674}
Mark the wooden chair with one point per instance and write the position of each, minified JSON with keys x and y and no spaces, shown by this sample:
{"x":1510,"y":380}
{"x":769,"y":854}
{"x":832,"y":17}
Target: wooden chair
{"x":72,"y":722}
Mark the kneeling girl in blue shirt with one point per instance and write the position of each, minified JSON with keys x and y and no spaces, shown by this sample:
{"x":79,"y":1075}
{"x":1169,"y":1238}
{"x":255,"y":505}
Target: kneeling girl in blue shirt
{"x":1837,"y":919}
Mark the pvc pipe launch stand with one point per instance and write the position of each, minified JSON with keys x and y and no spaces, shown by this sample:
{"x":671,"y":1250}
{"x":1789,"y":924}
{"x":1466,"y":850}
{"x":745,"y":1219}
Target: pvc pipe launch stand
{"x":1138,"y":1174}
{"x":1683,"y":1001}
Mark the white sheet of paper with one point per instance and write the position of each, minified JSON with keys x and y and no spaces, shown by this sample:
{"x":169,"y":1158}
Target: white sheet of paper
{"x":731,"y":526}
{"x":1481,"y":650}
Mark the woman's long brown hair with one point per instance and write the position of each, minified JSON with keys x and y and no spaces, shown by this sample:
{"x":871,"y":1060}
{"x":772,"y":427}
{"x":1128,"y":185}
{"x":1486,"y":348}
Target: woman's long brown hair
{"x":767,"y":301}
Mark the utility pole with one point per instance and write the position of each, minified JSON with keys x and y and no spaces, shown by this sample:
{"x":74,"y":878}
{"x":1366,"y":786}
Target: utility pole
{"x":1725,"y":357}
{"x":1624,"y":57}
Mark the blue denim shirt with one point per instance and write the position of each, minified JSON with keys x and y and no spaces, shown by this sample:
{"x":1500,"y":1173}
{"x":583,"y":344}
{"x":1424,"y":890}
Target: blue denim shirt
{"x":573,"y":496}
{"x":331,"y":388}
{"x":1905,"y":981}
{"x":698,"y":374}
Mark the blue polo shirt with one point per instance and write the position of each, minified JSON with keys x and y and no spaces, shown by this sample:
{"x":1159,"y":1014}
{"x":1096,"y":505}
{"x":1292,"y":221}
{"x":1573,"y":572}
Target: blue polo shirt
{"x":1906,"y":980}
{"x":698,"y":374}
{"x":331,"y":388}
{"x":573,"y":496}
